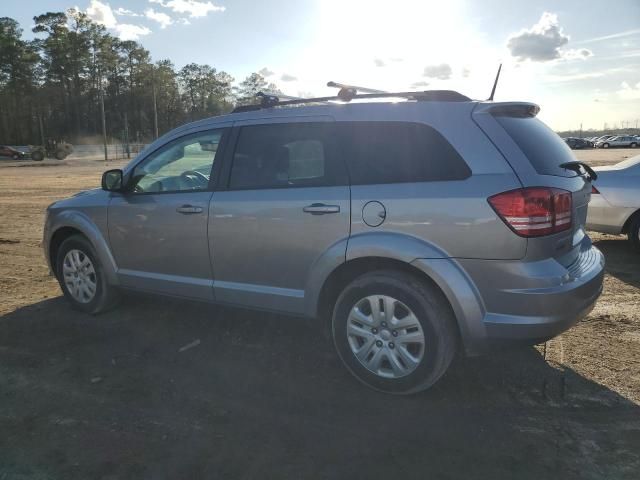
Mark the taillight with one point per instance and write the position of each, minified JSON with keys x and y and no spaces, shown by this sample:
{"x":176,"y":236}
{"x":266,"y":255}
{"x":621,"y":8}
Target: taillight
{"x":534,"y":211}
{"x":594,"y":189}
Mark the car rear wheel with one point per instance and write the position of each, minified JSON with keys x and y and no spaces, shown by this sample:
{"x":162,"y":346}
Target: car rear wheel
{"x":634,"y":232}
{"x":605,"y":145}
{"x":82,"y":277}
{"x":634,"y":145}
{"x":394,"y":332}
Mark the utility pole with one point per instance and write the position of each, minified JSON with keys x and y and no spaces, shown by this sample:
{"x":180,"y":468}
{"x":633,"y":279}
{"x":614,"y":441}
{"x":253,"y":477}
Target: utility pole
{"x":42,"y":129}
{"x":155,"y":104}
{"x":126,"y":135}
{"x":104,"y":122}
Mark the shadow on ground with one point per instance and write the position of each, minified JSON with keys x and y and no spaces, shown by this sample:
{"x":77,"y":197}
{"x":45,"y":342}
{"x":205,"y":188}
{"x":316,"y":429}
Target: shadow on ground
{"x":263,"y":396}
{"x":621,"y":260}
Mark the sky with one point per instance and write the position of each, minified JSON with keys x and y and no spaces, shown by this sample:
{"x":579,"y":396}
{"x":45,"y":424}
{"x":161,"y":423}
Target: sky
{"x":579,"y":60}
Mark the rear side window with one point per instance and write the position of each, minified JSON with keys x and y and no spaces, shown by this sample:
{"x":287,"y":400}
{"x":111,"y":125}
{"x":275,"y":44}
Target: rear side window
{"x":398,"y":152}
{"x":286,"y":155}
{"x":541,"y":145}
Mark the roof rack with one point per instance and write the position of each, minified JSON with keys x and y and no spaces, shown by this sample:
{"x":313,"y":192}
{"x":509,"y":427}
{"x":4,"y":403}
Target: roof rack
{"x":348,"y":93}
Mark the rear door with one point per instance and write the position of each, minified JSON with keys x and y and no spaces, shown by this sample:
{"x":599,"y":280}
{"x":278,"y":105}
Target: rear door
{"x":536,"y":152}
{"x":285,"y":204}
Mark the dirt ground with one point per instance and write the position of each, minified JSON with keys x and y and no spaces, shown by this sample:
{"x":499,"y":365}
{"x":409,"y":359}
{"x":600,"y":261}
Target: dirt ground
{"x":261,"y":396}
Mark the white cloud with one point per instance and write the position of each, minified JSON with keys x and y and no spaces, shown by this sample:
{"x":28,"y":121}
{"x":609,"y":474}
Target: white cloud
{"x":126,"y":13}
{"x":629,"y":92}
{"x":184,"y":21}
{"x":420,"y":83}
{"x":265,"y":72}
{"x":101,"y":13}
{"x":127,"y":31}
{"x":195,"y":8}
{"x":379,"y":62}
{"x":162,"y":18}
{"x":288,"y":78}
{"x":441,"y":72}
{"x":582,"y":54}
{"x":541,"y":42}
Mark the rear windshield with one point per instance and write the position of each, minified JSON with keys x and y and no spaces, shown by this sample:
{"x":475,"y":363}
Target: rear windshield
{"x":541,"y":145}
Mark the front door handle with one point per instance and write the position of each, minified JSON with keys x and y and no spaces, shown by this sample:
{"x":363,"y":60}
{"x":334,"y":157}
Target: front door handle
{"x":188,"y":209}
{"x":321,"y":209}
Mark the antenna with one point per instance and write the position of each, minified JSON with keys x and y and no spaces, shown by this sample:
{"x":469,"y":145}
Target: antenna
{"x":495,"y":84}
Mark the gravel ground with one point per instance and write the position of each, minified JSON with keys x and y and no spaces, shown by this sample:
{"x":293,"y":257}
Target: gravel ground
{"x":259,"y":395}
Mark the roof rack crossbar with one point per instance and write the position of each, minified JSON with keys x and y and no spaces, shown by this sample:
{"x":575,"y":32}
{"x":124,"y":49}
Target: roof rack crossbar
{"x":269,"y":100}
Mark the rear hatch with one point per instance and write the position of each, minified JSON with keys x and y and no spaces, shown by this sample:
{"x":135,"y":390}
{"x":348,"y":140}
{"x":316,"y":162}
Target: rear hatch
{"x":536,"y":153}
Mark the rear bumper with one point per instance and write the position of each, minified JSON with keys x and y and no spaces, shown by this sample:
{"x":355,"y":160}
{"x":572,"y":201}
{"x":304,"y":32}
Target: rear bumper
{"x":516,"y":302}
{"x":533,"y":302}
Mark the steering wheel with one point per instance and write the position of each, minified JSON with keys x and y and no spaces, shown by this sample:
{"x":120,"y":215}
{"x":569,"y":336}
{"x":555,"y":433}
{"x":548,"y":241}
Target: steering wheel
{"x":196,"y":178}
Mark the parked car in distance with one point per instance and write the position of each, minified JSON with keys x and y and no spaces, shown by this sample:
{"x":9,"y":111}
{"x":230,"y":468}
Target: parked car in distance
{"x":615,"y":200}
{"x":414,"y":228}
{"x":7,"y":151}
{"x":577,"y":143}
{"x":627,"y":141}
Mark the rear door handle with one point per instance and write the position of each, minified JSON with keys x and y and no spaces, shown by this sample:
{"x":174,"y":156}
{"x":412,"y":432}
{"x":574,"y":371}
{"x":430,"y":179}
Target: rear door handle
{"x":188,"y":209}
{"x":321,"y":209}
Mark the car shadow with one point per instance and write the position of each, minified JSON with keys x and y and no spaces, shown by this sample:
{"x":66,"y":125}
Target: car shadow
{"x":622,"y":261}
{"x":167,"y":389}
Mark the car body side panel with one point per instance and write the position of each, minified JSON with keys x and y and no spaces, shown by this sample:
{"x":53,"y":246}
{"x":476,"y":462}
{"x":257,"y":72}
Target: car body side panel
{"x":454,"y":215}
{"x":87,"y":213}
{"x":619,"y":198}
{"x":606,"y":218}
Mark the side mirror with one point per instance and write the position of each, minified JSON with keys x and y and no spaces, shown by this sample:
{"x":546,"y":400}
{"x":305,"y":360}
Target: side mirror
{"x":112,"y":180}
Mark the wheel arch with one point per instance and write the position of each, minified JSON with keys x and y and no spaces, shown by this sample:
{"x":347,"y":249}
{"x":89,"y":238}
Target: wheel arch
{"x":69,"y":223}
{"x":462,"y":308}
{"x":627,"y":223}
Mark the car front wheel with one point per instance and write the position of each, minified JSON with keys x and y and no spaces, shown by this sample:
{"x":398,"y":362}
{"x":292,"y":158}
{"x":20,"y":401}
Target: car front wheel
{"x":82,"y":277}
{"x":394,"y":332}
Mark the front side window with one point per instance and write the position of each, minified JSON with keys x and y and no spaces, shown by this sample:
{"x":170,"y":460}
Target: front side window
{"x":183,"y":165}
{"x":286,"y":155}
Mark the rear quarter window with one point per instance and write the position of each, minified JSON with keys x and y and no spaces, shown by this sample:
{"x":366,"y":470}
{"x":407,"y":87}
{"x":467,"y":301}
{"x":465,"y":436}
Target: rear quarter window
{"x":541,"y":145}
{"x":398,"y":152}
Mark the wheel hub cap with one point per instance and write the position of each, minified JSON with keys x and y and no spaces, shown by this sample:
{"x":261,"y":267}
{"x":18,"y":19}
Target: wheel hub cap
{"x":79,"y":276}
{"x":385,"y":336}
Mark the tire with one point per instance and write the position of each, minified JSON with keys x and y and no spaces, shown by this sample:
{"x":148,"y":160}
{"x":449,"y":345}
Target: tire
{"x":605,"y":145}
{"x":60,"y":155}
{"x":634,"y":145}
{"x":104,"y":295}
{"x":634,"y":232}
{"x":37,"y":156}
{"x":406,"y":292}
{"x":15,"y":156}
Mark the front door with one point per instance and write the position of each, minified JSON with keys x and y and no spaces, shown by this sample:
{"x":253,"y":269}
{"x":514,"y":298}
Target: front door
{"x":286,"y":204}
{"x":158,"y":228}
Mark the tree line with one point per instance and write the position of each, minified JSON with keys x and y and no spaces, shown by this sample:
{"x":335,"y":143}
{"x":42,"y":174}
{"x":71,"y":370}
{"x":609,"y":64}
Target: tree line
{"x":55,"y":85}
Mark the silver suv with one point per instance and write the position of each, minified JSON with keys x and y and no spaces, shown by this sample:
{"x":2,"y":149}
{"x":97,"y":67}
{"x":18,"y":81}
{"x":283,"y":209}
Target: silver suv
{"x":416,"y":228}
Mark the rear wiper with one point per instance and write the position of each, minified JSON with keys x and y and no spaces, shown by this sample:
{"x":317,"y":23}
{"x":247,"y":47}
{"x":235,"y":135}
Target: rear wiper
{"x":575,"y":166}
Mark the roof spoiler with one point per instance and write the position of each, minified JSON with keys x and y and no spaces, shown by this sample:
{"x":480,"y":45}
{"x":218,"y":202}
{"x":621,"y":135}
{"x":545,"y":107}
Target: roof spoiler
{"x":508,"y":109}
